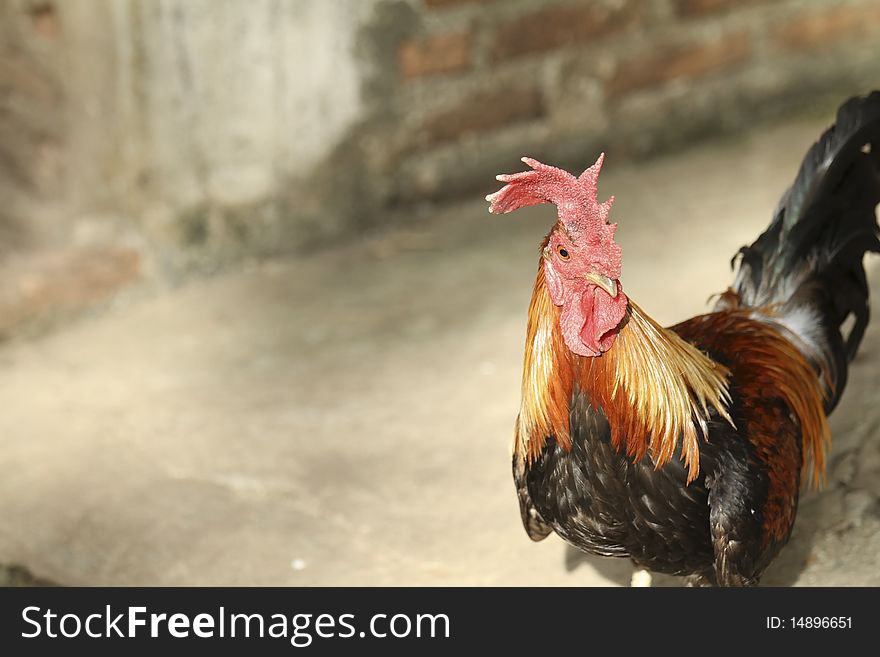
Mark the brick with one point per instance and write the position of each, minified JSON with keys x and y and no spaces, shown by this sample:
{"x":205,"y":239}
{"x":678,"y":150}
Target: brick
{"x":816,"y":30}
{"x":483,"y":113}
{"x":44,"y":18}
{"x":680,"y":61}
{"x":51,"y":284}
{"x":442,"y":53}
{"x":691,"y":8}
{"x":560,"y":26}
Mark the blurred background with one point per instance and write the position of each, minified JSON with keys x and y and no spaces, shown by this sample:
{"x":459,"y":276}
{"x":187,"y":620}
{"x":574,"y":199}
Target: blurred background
{"x":256,"y":326}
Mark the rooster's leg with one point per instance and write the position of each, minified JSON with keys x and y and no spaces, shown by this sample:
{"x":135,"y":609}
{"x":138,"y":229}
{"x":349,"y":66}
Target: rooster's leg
{"x":640,"y":578}
{"x":701,"y":580}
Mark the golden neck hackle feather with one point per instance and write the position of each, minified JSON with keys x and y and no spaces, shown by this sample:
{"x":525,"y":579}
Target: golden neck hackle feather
{"x":653,"y":387}
{"x":547,"y":379}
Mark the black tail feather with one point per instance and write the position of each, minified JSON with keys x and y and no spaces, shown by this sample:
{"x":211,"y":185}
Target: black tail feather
{"x":807,"y":266}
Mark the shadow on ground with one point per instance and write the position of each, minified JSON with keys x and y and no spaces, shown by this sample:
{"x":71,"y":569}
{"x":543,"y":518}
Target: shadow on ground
{"x":20,"y":576}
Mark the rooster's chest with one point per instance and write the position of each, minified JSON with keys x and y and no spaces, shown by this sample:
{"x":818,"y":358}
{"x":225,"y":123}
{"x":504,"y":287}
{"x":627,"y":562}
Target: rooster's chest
{"x":600,"y":501}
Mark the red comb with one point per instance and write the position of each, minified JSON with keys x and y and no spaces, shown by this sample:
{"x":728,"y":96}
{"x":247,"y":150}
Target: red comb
{"x":575,"y":198}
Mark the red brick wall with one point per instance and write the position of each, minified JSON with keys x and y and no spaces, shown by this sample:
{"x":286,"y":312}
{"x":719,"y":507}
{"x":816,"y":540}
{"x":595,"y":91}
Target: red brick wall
{"x":482,"y":81}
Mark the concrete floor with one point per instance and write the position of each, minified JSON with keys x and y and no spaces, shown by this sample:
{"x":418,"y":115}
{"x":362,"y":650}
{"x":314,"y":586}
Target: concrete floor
{"x":345,"y":417}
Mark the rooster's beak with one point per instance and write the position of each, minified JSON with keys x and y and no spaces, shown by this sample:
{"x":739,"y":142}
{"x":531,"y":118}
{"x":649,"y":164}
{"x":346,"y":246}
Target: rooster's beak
{"x":604,"y":282}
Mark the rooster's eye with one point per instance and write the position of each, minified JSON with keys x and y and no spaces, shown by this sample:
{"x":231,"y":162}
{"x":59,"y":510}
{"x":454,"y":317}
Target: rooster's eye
{"x":563,"y":252}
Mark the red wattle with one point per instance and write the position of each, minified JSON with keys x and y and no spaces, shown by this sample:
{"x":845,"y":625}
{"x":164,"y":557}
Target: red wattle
{"x":588,"y":333}
{"x":601,"y":317}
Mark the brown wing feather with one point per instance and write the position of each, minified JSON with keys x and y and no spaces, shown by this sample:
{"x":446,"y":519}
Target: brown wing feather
{"x":782,"y":413}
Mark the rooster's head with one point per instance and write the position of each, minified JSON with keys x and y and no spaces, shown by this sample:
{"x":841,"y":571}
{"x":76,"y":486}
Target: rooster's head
{"x":580,"y":258}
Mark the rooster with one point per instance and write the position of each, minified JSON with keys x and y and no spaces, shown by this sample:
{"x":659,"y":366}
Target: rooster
{"x":683,"y":448}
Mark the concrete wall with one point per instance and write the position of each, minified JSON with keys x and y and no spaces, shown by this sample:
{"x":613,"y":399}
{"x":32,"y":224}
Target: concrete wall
{"x":193,"y":117}
{"x":201,"y":130}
